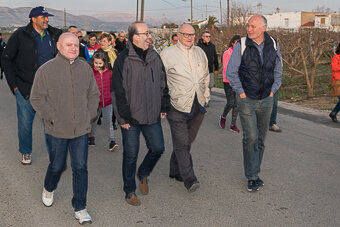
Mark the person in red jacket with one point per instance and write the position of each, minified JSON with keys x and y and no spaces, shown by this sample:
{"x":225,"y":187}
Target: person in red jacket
{"x":103,"y":76}
{"x":335,"y":65}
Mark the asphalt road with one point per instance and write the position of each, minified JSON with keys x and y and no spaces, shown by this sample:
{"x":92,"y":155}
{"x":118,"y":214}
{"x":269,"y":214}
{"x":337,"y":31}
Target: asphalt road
{"x":301,"y":170}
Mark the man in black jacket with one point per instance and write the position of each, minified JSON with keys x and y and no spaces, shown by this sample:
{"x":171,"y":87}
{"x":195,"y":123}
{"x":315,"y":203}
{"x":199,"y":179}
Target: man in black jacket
{"x":210,"y":51}
{"x":27,"y":49}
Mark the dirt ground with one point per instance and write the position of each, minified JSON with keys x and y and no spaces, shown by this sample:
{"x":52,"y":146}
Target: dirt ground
{"x":324,"y":102}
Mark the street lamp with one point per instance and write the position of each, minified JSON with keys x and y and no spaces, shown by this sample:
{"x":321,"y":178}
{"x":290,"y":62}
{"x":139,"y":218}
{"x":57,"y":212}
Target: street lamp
{"x":191,"y":10}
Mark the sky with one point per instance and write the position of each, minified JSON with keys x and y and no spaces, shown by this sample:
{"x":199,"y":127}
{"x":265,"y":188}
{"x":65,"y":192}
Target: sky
{"x":170,"y":9}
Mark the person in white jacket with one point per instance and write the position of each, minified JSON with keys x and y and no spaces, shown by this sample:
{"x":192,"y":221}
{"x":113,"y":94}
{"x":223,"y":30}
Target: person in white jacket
{"x":187,"y":72}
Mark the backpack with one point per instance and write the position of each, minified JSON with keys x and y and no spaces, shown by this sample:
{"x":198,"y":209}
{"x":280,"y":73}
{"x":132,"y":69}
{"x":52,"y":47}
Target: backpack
{"x":243,"y":46}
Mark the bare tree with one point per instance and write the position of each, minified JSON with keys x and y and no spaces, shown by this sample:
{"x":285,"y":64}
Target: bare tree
{"x":239,"y":13}
{"x":322,"y":9}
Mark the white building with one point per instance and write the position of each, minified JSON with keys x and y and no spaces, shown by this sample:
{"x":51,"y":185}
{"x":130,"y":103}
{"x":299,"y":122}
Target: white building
{"x":330,"y":21}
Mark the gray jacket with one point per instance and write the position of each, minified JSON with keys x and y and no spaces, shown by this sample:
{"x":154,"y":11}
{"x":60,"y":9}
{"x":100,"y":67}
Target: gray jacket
{"x":66,"y":96}
{"x":139,"y":88}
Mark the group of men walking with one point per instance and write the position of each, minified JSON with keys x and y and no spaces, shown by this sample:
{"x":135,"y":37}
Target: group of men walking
{"x":44,"y":71}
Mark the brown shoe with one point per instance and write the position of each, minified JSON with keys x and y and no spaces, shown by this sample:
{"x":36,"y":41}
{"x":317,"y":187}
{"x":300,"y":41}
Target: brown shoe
{"x":132,"y":199}
{"x":143,"y":185}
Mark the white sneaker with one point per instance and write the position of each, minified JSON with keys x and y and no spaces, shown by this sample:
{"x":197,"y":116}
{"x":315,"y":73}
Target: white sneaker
{"x":26,"y":159}
{"x":83,"y":217}
{"x":47,"y":198}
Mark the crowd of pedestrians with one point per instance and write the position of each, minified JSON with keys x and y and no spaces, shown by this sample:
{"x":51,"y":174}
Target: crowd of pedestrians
{"x":70,"y":83}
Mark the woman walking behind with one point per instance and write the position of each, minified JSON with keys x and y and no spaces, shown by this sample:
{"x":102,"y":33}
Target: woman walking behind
{"x":230,"y":94}
{"x":103,"y":76}
{"x":335,"y":65}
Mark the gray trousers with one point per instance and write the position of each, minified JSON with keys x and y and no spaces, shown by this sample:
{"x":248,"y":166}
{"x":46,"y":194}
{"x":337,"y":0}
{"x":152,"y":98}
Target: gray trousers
{"x":184,"y":129}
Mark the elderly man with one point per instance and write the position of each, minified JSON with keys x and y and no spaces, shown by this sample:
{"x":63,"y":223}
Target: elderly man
{"x":254,"y":72}
{"x":83,"y":52}
{"x":66,"y":96}
{"x":210,"y":51}
{"x":141,"y":100}
{"x":188,"y":81}
{"x":27,"y":49}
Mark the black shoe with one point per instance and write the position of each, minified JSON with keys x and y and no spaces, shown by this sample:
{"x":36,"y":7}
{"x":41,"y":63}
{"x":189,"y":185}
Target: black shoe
{"x":259,"y":182}
{"x":177,"y":177}
{"x":193,"y":186}
{"x":113,"y":145}
{"x":252,"y":186}
{"x":91,"y":141}
{"x":333,"y":117}
{"x":115,"y":127}
{"x":99,"y":122}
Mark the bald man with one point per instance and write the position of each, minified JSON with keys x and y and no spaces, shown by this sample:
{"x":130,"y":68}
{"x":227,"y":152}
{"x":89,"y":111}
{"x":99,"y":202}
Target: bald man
{"x":190,"y":93}
{"x":66,"y":96}
{"x":255,"y":76}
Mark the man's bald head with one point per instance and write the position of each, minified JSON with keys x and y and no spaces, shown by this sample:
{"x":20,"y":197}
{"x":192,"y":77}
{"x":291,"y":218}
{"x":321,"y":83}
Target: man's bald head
{"x":68,"y":46}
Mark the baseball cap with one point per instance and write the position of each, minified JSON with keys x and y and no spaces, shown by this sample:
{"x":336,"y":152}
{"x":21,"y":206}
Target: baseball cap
{"x":39,"y":11}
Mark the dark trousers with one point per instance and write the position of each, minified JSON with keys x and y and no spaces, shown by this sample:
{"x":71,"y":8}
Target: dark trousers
{"x":231,"y":103}
{"x":153,"y":135}
{"x":78,"y":148}
{"x":184,"y":130}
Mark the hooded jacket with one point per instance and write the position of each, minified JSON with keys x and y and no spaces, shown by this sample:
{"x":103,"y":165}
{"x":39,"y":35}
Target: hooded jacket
{"x":20,"y":58}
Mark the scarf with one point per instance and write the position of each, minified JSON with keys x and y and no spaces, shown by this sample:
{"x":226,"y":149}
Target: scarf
{"x":111,"y":53}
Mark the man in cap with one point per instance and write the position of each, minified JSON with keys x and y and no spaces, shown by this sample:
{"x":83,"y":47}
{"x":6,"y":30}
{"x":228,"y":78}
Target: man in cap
{"x":27,"y":49}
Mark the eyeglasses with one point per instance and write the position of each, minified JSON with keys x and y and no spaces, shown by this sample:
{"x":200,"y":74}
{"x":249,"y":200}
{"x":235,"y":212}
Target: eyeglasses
{"x":80,"y":37}
{"x":186,"y":35}
{"x":207,"y":36}
{"x":145,"y":33}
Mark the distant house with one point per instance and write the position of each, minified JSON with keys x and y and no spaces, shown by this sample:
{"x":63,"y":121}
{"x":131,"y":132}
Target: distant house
{"x":290,"y":20}
{"x":293,"y":21}
{"x":330,"y":21}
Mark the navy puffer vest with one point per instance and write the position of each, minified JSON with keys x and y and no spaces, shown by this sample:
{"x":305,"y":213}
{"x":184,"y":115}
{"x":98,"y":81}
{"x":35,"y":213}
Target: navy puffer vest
{"x":257,"y":79}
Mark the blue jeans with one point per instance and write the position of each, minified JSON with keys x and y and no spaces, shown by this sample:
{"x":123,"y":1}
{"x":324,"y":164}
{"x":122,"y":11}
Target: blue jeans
{"x":78,"y":148}
{"x":254,"y":117}
{"x":274,"y":111}
{"x":153,"y":135}
{"x":336,"y":108}
{"x":25,"y":113}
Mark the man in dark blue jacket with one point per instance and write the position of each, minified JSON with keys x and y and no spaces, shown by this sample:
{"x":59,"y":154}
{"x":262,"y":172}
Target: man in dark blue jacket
{"x":255,"y":75}
{"x":27,"y":49}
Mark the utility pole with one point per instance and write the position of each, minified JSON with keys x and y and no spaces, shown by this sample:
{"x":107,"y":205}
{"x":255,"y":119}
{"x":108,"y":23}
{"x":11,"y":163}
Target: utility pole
{"x":228,"y":16}
{"x":142,"y":12}
{"x":65,"y":19}
{"x":221,"y":12}
{"x":137,"y":10}
{"x":191,"y":11}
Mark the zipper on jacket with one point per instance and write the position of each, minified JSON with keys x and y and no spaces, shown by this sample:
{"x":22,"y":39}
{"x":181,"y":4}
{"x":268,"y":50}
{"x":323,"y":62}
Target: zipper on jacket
{"x":152,"y":75}
{"x":74,"y":103}
{"x":102,"y":85}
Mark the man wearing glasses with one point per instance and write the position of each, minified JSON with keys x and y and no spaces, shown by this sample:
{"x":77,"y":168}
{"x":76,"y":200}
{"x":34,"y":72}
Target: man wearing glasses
{"x":210,"y":51}
{"x":140,"y":99}
{"x":188,"y":81}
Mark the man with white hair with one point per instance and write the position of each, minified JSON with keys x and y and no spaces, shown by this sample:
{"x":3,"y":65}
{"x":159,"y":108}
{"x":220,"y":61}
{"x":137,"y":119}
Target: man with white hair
{"x":65,"y":94}
{"x":254,"y":71}
{"x":188,"y":81}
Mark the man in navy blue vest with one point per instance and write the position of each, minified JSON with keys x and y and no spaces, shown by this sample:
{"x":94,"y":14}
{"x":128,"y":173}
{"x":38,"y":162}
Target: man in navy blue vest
{"x":255,"y":75}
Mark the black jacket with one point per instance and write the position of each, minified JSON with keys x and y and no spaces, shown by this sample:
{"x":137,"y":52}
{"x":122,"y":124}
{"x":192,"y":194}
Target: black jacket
{"x":139,"y":88}
{"x":210,"y":51}
{"x":257,"y":78}
{"x":120,"y":46}
{"x":20,"y":60}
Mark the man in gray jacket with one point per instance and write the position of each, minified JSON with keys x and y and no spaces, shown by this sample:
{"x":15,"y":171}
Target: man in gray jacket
{"x":140,"y":99}
{"x":66,"y":96}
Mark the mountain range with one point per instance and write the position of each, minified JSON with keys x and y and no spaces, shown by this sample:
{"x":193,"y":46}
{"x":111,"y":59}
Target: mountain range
{"x":101,"y":22}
